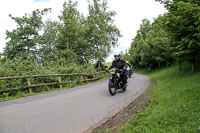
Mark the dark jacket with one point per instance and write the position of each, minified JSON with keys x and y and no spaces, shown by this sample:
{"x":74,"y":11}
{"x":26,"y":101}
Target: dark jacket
{"x":118,"y":64}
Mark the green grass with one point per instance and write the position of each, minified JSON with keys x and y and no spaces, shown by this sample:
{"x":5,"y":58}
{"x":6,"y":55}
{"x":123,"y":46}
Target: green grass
{"x":174,"y":106}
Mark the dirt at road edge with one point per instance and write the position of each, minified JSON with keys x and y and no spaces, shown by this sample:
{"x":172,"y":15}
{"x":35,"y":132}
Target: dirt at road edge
{"x":124,"y":117}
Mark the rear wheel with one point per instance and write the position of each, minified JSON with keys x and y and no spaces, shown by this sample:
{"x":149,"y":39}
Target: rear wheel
{"x":111,"y":88}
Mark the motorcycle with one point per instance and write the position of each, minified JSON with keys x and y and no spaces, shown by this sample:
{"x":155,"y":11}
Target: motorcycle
{"x":129,"y":73}
{"x":115,"y":83}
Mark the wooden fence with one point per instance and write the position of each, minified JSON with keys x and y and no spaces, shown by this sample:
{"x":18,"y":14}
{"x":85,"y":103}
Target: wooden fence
{"x":95,"y":76}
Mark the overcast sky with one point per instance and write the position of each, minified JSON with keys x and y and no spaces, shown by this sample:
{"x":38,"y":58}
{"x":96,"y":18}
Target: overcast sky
{"x":128,"y":19}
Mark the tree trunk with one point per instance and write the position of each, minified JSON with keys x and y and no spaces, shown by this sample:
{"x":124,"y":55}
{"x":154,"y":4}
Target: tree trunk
{"x":180,"y":69}
{"x":149,"y":69}
{"x":193,"y":67}
{"x":193,"y":63}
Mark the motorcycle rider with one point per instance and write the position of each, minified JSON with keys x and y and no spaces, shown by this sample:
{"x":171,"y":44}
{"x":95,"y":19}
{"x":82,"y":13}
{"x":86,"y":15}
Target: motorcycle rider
{"x":129,"y":69}
{"x":120,"y":64}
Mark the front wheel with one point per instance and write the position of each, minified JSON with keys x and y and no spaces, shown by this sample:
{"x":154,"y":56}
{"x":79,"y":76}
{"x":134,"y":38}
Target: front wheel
{"x":111,"y":88}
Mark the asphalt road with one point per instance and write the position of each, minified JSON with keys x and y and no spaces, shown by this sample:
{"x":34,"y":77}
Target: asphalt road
{"x":75,"y":110}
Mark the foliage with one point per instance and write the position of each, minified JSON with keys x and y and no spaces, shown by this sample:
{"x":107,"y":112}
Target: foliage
{"x":171,"y":38}
{"x":70,"y":41}
{"x":138,"y":44}
{"x":24,"y":40}
{"x":27,"y":67}
{"x":69,"y":45}
{"x":83,"y":40}
{"x":48,"y":48}
{"x":150,"y":47}
{"x":74,"y":38}
{"x":182,"y":23}
{"x":101,"y":32}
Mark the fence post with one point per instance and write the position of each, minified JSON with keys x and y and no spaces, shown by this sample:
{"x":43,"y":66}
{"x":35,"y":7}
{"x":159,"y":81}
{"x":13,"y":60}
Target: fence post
{"x":82,"y":78}
{"x":29,"y":84}
{"x":95,"y":75}
{"x":60,"y":82}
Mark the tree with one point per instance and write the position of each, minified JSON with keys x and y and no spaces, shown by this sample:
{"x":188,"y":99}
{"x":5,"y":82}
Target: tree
{"x":184,"y":25}
{"x":1,"y":58}
{"x":72,"y":43}
{"x":151,"y":46}
{"x":23,"y":41}
{"x":159,"y":41}
{"x":101,"y":32}
{"x":137,"y":53}
{"x":50,"y":37}
{"x":88,"y":39}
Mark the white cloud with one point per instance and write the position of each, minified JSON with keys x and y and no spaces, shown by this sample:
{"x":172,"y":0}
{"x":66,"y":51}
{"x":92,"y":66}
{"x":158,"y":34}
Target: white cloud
{"x":128,"y":18}
{"x":18,"y":8}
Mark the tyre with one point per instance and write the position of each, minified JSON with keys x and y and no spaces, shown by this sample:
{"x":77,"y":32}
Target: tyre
{"x":124,"y":88}
{"x":111,"y":88}
{"x":129,"y":74}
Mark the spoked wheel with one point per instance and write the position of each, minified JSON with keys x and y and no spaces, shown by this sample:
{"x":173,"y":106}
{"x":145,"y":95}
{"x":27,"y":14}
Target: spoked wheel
{"x":111,"y":88}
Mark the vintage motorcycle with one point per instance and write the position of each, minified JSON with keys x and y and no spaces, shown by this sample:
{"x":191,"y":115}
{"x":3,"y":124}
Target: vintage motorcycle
{"x":115,"y":83}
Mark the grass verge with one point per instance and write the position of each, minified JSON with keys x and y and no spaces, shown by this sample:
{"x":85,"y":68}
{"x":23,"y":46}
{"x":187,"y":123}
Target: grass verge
{"x":174,"y":106}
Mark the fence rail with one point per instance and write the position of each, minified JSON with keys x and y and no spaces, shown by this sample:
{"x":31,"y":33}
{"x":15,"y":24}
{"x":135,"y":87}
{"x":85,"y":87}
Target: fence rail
{"x":96,"y":75}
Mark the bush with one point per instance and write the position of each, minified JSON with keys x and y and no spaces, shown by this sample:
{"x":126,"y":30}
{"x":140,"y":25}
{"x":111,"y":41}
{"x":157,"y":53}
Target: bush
{"x":27,"y":67}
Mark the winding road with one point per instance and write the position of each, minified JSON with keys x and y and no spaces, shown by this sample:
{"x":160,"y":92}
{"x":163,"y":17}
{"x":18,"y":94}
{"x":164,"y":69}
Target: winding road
{"x":75,"y":110}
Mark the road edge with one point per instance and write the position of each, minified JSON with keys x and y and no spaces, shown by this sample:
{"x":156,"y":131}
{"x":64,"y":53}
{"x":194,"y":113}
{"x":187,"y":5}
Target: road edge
{"x":123,"y":117}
